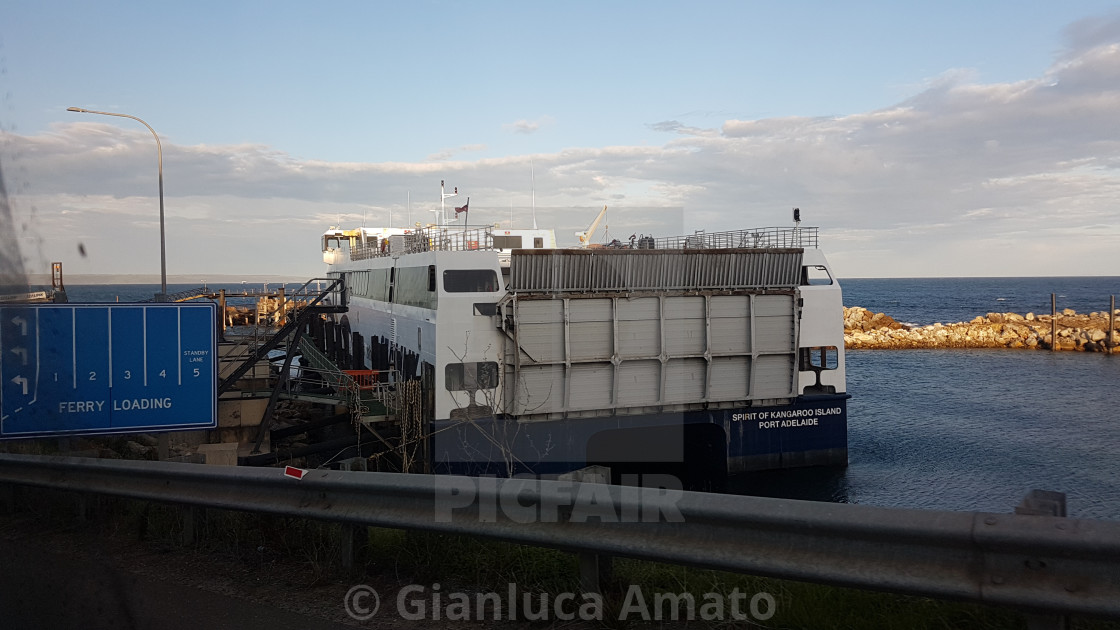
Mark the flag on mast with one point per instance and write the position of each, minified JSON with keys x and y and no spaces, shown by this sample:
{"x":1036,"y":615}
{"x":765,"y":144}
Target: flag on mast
{"x":463,"y":208}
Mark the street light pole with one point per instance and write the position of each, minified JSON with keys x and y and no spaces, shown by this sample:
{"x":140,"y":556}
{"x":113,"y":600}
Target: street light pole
{"x":162,"y":295}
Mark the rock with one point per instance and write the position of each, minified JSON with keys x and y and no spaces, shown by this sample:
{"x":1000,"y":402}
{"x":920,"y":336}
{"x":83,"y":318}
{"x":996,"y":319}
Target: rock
{"x":147,"y":440}
{"x":995,"y":318}
{"x":1097,"y":335}
{"x":1013,"y":317}
{"x":1068,"y":311}
{"x":136,"y":449}
{"x":1030,"y":317}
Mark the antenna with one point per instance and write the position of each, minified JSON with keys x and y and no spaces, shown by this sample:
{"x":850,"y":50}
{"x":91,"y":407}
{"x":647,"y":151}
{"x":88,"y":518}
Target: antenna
{"x":533,"y":188}
{"x":408,"y":205}
{"x":442,"y":196}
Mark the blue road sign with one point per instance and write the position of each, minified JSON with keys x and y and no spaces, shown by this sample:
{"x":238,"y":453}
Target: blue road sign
{"x":68,"y":369}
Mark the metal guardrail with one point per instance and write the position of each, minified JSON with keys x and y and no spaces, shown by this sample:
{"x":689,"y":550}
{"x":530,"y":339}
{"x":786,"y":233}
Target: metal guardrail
{"x":1036,"y":563}
{"x":35,"y":296}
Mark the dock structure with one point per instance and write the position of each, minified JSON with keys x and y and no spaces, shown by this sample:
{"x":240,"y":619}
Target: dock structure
{"x":296,"y":354}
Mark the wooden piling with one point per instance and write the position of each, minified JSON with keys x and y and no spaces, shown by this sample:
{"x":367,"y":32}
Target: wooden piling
{"x":359,"y":352}
{"x":222,"y":310}
{"x":1111,"y":322}
{"x":1053,"y":322}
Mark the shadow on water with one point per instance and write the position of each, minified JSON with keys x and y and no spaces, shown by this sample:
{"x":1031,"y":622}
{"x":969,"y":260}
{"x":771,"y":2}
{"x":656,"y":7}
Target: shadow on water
{"x":13,"y":279}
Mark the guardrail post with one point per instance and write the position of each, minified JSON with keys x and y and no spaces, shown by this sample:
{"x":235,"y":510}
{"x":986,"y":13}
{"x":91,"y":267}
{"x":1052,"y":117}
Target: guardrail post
{"x":7,"y":499}
{"x":86,"y":502}
{"x":193,"y":518}
{"x":594,"y":571}
{"x":1044,"y":503}
{"x":352,"y":542}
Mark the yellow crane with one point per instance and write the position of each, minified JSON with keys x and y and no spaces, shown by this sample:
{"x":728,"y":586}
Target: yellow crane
{"x":585,"y":237}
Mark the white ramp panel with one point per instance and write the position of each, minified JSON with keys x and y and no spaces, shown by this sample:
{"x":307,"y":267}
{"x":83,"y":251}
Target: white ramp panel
{"x":684,"y":326}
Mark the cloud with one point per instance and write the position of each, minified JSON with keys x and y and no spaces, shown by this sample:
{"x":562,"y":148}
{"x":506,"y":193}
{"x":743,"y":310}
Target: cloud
{"x":447,"y":154}
{"x":528,"y":126}
{"x":673,"y":126}
{"x":963,"y":178}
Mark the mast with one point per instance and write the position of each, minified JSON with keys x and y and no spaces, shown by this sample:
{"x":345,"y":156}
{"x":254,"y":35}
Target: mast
{"x":533,"y":188}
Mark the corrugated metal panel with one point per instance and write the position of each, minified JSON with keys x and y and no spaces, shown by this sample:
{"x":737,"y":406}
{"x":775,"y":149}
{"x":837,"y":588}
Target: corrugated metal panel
{"x":731,"y":377}
{"x":638,"y":383}
{"x":774,"y":324}
{"x":590,"y":310}
{"x":716,"y":364}
{"x":591,"y":340}
{"x":686,"y":307}
{"x":592,"y":386}
{"x":543,"y":342}
{"x":773,"y":376}
{"x":540,"y":390}
{"x":591,"y":329}
{"x":639,"y":338}
{"x":685,"y":380}
{"x":639,"y":309}
{"x":685,"y":336}
{"x":564,"y":270}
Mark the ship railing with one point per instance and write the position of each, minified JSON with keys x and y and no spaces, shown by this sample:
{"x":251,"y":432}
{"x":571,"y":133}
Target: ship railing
{"x":436,"y":238}
{"x":452,"y":239}
{"x":756,"y":238}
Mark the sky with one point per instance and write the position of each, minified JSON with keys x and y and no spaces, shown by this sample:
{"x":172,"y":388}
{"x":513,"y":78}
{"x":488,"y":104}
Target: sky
{"x":938,"y":139}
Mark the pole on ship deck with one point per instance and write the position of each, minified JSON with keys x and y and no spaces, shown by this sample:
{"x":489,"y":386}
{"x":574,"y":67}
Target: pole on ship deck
{"x":1053,"y":323}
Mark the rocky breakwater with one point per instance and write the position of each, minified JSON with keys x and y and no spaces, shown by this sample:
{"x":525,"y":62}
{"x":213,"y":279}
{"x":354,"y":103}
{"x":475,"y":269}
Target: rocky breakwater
{"x":1075,"y":331}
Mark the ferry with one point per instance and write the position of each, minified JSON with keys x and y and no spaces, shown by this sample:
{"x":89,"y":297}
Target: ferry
{"x":696,"y":356}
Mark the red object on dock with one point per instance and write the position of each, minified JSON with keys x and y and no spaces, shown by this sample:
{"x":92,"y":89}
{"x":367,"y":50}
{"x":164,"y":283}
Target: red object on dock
{"x":364,"y":378}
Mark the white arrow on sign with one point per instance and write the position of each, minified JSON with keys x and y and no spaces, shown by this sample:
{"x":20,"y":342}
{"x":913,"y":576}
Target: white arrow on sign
{"x":22,"y":323}
{"x":19,"y":380}
{"x":22,"y":352}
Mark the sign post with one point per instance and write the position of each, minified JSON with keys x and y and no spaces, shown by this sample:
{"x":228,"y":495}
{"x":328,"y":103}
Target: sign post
{"x":78,"y":369}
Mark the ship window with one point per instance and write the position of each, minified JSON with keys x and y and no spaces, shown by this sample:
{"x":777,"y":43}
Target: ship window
{"x":819,"y":358}
{"x":379,"y":285}
{"x":462,"y":377}
{"x":507,"y":242}
{"x":538,"y":243}
{"x":411,"y":287}
{"x":470,"y":280}
{"x":485,"y":308}
{"x":815,"y":275}
{"x":431,"y":277}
